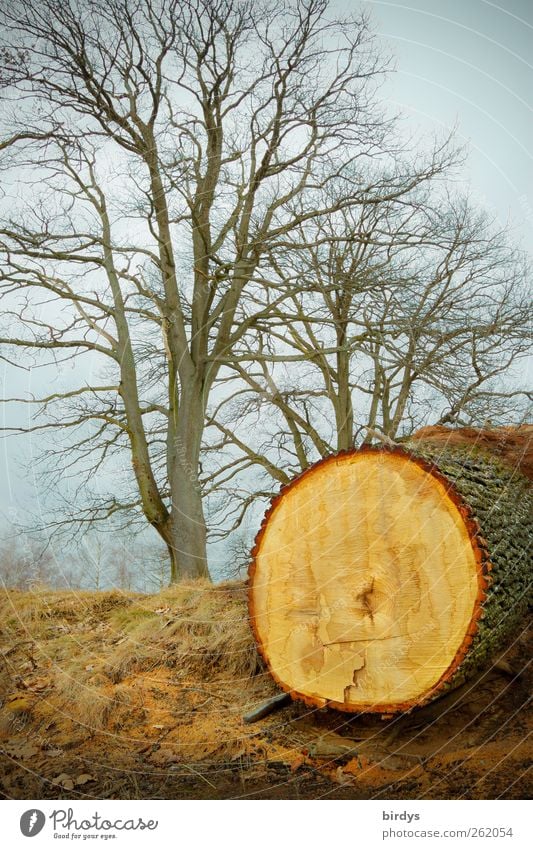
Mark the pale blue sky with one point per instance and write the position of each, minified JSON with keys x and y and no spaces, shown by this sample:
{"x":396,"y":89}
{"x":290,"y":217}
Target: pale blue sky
{"x":460,"y":62}
{"x":469,"y":63}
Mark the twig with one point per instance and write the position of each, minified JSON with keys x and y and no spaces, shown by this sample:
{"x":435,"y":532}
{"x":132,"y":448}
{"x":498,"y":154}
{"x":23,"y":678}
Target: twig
{"x":382,"y":437}
{"x":267,"y":707}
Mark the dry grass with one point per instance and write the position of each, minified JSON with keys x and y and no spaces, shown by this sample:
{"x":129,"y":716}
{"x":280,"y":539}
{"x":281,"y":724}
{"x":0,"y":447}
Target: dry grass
{"x":198,"y":629}
{"x":138,"y":696}
{"x":80,"y":657}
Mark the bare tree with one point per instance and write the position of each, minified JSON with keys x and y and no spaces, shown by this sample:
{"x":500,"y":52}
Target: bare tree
{"x":95,"y":557}
{"x":108,"y":561}
{"x":27,"y":562}
{"x":395,"y":315}
{"x":166,"y":148}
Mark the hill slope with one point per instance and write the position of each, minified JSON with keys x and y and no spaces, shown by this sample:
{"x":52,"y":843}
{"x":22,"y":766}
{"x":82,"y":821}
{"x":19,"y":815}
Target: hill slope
{"x":112,"y":695}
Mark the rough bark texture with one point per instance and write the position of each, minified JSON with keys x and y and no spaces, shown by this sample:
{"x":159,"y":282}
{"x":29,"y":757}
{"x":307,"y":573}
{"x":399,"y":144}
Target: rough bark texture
{"x":501,"y":499}
{"x":513,"y":445}
{"x":494,"y":501}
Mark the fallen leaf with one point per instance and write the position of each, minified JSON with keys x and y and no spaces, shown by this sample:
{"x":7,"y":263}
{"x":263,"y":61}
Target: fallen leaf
{"x":341,"y":778}
{"x":357,"y":764}
{"x":163,"y":757}
{"x":21,"y":750}
{"x":19,"y":705}
{"x":85,"y":778}
{"x":298,"y":761}
{"x":39,"y":684}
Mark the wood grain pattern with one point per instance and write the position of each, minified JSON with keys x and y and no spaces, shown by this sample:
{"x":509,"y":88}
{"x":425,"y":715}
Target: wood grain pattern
{"x":367,"y":582}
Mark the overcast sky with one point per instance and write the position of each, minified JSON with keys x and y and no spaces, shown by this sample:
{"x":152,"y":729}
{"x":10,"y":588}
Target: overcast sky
{"x":460,"y":62}
{"x":468,"y":62}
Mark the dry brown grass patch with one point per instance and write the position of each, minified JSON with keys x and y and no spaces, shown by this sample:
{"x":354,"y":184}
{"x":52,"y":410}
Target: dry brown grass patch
{"x":195,"y":628}
{"x":91,"y":652}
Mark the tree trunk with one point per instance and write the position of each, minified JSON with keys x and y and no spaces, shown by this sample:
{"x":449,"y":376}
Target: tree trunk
{"x":185,"y":530}
{"x":186,"y":534}
{"x":380,"y":580}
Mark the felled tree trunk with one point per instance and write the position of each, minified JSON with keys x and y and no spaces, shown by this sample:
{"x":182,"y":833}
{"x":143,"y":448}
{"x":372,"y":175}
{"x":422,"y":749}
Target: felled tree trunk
{"x":381,"y":578}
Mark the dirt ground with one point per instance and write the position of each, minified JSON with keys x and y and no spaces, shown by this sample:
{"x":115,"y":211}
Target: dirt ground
{"x":108,"y":695}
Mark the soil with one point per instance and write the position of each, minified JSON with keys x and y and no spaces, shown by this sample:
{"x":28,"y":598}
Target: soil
{"x":176,"y":731}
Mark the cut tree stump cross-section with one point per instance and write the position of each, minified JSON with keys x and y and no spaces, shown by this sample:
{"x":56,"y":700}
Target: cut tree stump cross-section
{"x":381,"y":578}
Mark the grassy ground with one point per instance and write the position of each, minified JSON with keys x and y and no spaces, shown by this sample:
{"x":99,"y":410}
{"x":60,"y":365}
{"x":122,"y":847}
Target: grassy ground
{"x":113,"y":695}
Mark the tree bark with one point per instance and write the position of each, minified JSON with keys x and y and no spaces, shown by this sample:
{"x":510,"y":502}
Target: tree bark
{"x":186,"y":527}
